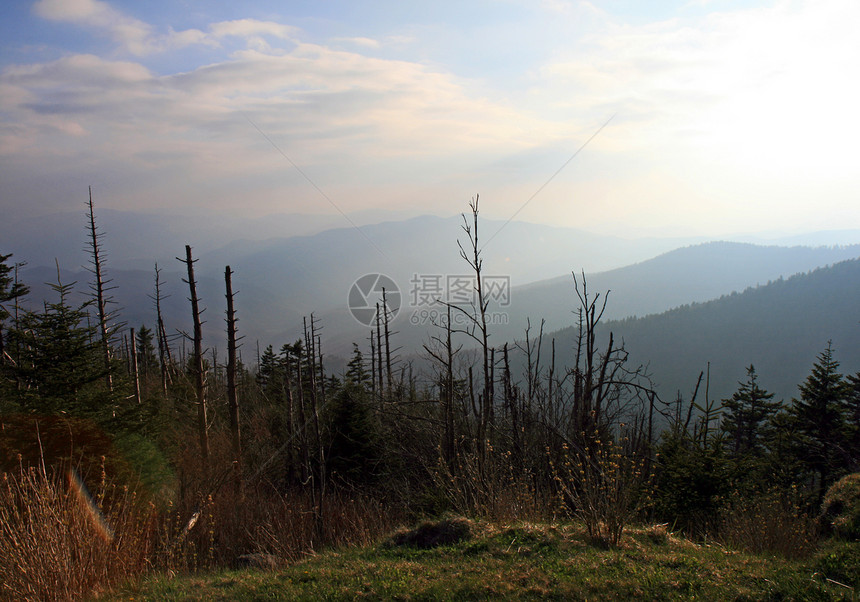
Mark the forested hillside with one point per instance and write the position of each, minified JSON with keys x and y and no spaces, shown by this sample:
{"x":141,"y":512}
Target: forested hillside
{"x":780,"y":327}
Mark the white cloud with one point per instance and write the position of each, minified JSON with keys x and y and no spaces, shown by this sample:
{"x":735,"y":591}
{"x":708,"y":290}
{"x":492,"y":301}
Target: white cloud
{"x":357,"y":123}
{"x":360,"y":42}
{"x":135,"y":35}
{"x":251,"y":27}
{"x":140,"y":39}
{"x":710,"y":110}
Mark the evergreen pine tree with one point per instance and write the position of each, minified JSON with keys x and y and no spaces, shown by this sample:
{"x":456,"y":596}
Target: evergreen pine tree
{"x":744,"y":417}
{"x":60,"y":359}
{"x":356,"y":373}
{"x":354,"y":452}
{"x":852,"y":418}
{"x":820,"y":421}
{"x":268,"y":368}
{"x":147,"y":357}
{"x":9,"y":291}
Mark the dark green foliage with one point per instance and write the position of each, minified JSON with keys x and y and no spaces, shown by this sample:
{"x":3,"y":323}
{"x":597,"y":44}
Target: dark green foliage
{"x":744,"y":417}
{"x":354,"y":451}
{"x":852,"y":419}
{"x":690,"y":482}
{"x":842,"y":564}
{"x":783,"y":464}
{"x":821,"y":422}
{"x":60,"y":363}
{"x":840,"y":511}
{"x":269,"y":369}
{"x":147,"y":357}
{"x":747,"y":427}
{"x":9,"y":288}
{"x":355,"y":371}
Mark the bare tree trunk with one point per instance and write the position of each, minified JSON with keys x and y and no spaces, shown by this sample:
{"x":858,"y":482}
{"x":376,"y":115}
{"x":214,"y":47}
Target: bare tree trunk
{"x":319,"y":485}
{"x":161,"y":334}
{"x":232,"y":395}
{"x":320,"y":365}
{"x":444,"y":353}
{"x":512,"y":406}
{"x":100,"y":291}
{"x":373,"y":387}
{"x":310,"y":344}
{"x":288,"y":396}
{"x":199,"y":376}
{"x":449,"y":394}
{"x":478,"y":318}
{"x":134,"y":373}
{"x":379,"y":355}
{"x":303,"y":422}
{"x":387,"y":343}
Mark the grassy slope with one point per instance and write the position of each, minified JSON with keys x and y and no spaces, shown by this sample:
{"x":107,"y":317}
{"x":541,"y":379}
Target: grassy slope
{"x":521,"y":562}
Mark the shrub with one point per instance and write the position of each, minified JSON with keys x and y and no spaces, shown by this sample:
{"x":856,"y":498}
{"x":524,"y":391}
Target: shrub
{"x":433,"y":534}
{"x":689,"y":483}
{"x":604,"y":487}
{"x":489,"y":487}
{"x":842,"y":564}
{"x":772,"y":522}
{"x":840,"y":510}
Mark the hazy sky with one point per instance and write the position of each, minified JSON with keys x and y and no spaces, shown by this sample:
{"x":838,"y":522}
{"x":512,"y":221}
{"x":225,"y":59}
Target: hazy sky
{"x":724,"y":116}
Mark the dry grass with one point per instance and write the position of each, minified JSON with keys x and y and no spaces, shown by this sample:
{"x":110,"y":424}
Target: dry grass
{"x":59,"y":543}
{"x":490,"y":487}
{"x":771,"y":523}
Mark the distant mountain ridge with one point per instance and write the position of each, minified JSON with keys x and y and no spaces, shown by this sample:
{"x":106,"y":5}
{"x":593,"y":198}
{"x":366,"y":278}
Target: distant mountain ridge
{"x":780,"y":327}
{"x":281,"y":279}
{"x":695,"y":273}
{"x":689,"y":274}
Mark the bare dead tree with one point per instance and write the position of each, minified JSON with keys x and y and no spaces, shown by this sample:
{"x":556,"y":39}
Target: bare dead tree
{"x":385,"y":316}
{"x":289,"y":411}
{"x":303,"y":431}
{"x":134,"y":369}
{"x":320,"y":477}
{"x":197,"y":358}
{"x":310,"y":344}
{"x":373,"y":387}
{"x":603,"y":383}
{"x":100,"y":289}
{"x":476,"y":317}
{"x":164,"y":358}
{"x":232,"y":394}
{"x":320,"y":365}
{"x":445,"y":357}
{"x":379,"y":354}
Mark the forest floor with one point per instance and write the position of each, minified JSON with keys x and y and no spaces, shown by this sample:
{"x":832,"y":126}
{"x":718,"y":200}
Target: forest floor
{"x":528,"y":561}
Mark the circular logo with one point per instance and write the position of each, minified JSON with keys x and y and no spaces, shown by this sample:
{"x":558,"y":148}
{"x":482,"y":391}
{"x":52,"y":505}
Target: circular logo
{"x":366,"y":294}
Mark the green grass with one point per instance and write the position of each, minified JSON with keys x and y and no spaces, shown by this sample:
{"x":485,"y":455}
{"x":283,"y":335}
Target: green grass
{"x":521,"y":562}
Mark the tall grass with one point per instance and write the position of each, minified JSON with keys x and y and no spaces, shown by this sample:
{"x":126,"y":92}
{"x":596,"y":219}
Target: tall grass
{"x":59,"y":543}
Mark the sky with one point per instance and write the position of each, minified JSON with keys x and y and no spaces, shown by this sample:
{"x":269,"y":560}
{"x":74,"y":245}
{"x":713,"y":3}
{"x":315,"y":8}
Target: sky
{"x":687,"y":117}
